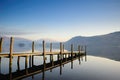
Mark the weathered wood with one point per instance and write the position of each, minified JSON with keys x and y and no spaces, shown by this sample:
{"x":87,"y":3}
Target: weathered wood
{"x":33,"y":46}
{"x":51,"y":55}
{"x":63,"y":47}
{"x":85,"y":50}
{"x":10,"y":55}
{"x":71,"y":50}
{"x":1,"y":42}
{"x":44,"y":51}
{"x":61,"y":55}
{"x":79,"y":49}
{"x":11,"y":50}
{"x":50,"y":47}
{"x":60,"y":48}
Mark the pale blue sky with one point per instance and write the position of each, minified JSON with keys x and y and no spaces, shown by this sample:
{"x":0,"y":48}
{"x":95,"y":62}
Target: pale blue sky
{"x":58,"y":19}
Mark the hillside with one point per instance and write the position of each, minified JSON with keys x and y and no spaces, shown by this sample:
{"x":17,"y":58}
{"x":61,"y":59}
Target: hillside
{"x":104,"y":45}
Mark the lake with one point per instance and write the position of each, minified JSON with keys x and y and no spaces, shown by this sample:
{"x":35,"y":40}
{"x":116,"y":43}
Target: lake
{"x":84,"y":68}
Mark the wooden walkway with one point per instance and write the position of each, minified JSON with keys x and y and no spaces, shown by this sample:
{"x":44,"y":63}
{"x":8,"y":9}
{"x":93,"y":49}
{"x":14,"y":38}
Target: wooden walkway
{"x":62,"y":58}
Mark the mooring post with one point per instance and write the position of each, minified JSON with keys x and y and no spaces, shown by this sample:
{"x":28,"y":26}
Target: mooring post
{"x":51,"y":55}
{"x":79,"y":50}
{"x":33,"y":46}
{"x":63,"y":47}
{"x":1,"y":42}
{"x":51,"y":47}
{"x":11,"y":50}
{"x":71,"y":50}
{"x":85,"y":49}
{"x":61,"y":50}
{"x":44,"y":59}
{"x":10,"y":55}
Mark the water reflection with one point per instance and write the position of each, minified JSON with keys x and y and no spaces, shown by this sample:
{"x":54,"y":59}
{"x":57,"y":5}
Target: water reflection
{"x":95,"y":68}
{"x":37,"y":69}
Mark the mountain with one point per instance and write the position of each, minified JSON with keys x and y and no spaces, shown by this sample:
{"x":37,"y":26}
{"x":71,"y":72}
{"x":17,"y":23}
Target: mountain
{"x":46,"y":40}
{"x":103,"y":45}
{"x":22,"y":45}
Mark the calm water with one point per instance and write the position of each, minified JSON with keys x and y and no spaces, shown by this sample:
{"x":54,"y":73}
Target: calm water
{"x":95,"y":68}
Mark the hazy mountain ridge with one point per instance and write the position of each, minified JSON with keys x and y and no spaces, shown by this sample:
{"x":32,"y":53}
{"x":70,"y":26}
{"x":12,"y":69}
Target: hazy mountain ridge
{"x":21,"y":44}
{"x":103,"y":45}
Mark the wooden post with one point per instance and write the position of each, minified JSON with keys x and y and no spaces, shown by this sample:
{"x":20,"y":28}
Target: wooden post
{"x":71,"y":50}
{"x":60,"y":50}
{"x":10,"y":55}
{"x":1,"y":42}
{"x":63,"y":47}
{"x":33,"y":45}
{"x":79,"y":60}
{"x":81,"y":48}
{"x":51,"y":47}
{"x":51,"y":55}
{"x":11,"y":49}
{"x":85,"y":50}
{"x":78,"y":50}
{"x":44,"y":59}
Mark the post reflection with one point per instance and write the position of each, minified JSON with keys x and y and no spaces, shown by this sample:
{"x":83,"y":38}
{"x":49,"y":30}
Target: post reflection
{"x":0,"y":64}
{"x":31,"y":71}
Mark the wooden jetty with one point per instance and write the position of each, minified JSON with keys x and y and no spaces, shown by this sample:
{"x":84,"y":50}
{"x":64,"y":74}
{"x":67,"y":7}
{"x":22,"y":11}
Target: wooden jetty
{"x":63,"y":57}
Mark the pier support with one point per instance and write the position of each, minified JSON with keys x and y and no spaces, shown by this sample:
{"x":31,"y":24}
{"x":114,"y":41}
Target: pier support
{"x":1,"y":42}
{"x":78,"y":50}
{"x":33,"y":45}
{"x":10,"y":59}
{"x":71,"y":50}
{"x":44,"y":58}
{"x":51,"y":55}
{"x":61,"y":55}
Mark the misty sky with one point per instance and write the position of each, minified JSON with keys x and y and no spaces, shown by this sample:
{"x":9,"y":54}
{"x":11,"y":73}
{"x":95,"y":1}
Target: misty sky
{"x":58,"y":19}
